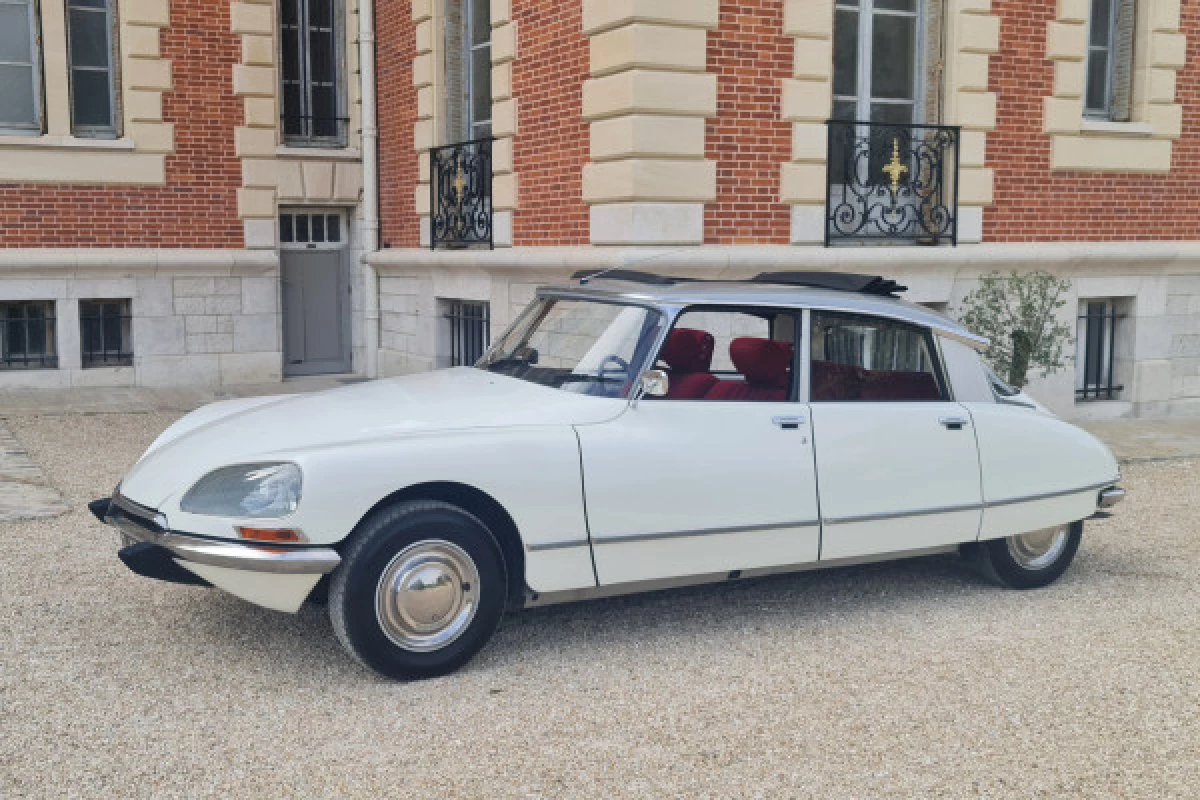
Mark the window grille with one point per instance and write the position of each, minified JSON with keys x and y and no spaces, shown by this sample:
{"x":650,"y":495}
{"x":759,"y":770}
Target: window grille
{"x":105,"y":333}
{"x":90,"y":52}
{"x":27,"y":335}
{"x":1095,"y":354}
{"x":470,"y":332}
{"x":311,"y":55}
{"x":20,"y":68}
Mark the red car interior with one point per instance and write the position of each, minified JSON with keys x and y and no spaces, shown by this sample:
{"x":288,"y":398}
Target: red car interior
{"x":688,"y":354}
{"x":832,"y":383}
{"x":766,"y":366}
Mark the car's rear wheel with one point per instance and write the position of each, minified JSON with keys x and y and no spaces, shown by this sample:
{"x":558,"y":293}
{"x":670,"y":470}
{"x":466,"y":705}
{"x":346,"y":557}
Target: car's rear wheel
{"x":420,"y":591}
{"x":1031,"y":560}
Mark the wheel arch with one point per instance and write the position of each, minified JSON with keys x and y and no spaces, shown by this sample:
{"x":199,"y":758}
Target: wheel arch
{"x":489,"y":511}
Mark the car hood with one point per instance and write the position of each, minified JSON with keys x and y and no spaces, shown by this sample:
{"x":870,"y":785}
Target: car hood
{"x":265,"y":428}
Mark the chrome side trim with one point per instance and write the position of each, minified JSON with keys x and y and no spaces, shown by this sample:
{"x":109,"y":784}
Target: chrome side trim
{"x":1008,"y":501}
{"x":648,"y":537}
{"x":918,"y":512}
{"x":544,"y":546}
{"x":536,"y":599}
{"x":147,"y":525}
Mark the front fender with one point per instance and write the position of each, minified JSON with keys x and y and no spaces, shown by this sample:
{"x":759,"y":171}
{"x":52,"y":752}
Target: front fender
{"x":533,"y":472}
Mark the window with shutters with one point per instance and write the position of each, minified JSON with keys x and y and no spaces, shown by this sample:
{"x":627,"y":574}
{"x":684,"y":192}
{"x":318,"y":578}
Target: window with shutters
{"x":1107,"y":95}
{"x":91,"y":40}
{"x":20,"y":68}
{"x":314,"y":106}
{"x":468,"y":68}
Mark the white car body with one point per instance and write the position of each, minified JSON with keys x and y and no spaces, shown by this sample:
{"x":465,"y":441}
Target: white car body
{"x":612,"y":494}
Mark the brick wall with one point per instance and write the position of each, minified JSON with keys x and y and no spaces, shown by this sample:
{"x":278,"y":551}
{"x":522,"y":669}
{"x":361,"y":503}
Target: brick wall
{"x":748,"y":139}
{"x":552,"y":139}
{"x":397,"y":103}
{"x":198,"y":206}
{"x":1033,"y":203}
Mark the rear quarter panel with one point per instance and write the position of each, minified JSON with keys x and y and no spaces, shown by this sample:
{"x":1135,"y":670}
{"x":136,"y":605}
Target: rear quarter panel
{"x":1037,"y":471}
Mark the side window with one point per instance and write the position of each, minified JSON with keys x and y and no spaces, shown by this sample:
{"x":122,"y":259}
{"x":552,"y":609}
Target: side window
{"x":730,"y":355}
{"x":865,"y":359}
{"x":20,"y":69}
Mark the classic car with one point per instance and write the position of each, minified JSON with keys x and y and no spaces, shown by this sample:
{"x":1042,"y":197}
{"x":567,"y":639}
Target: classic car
{"x":628,"y":432}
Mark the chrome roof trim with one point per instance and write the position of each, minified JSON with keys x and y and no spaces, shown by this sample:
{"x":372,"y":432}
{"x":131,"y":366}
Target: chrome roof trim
{"x":721,"y":293}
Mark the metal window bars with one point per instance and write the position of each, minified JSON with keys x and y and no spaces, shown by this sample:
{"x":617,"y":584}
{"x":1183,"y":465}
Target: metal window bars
{"x":470,"y":332}
{"x":27,"y":335}
{"x":891,"y":182}
{"x":460,"y":195}
{"x":1098,"y":334}
{"x":105,"y":333}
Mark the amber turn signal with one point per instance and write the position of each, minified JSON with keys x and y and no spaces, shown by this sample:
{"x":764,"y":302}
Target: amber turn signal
{"x":269,"y":534}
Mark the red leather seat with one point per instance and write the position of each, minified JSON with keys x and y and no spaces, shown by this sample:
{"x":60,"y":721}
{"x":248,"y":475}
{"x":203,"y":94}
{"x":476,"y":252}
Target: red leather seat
{"x":836,"y":383}
{"x":901,"y":386}
{"x":766,"y":366}
{"x":688,"y":355}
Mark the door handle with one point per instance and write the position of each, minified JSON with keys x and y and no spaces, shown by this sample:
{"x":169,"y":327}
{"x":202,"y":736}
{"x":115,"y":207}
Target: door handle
{"x":788,"y":423}
{"x":954,"y":423}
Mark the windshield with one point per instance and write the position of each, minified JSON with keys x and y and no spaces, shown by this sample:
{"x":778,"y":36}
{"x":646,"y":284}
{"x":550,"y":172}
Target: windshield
{"x":576,"y":345}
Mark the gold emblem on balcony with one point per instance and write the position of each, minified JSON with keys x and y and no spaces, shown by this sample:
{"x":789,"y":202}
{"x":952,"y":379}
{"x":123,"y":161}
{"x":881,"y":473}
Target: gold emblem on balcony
{"x":894,"y":168}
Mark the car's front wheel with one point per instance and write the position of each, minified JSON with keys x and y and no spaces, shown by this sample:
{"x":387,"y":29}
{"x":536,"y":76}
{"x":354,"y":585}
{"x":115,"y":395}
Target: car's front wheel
{"x":420,"y":590}
{"x":1031,"y":560}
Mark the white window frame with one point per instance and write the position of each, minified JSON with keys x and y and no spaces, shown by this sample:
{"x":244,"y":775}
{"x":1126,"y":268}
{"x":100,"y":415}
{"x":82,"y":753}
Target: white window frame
{"x":476,"y":128}
{"x":1107,"y":48}
{"x":867,"y":12}
{"x":112,"y":130}
{"x":39,"y":113}
{"x":306,"y":138}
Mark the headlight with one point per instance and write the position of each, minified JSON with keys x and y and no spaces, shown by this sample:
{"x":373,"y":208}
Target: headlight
{"x":247,"y":490}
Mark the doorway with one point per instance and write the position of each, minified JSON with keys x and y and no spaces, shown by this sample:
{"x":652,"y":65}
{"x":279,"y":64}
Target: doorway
{"x":315,"y":273}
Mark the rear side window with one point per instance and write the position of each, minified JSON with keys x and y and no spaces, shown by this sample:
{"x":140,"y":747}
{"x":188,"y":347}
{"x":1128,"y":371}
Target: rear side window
{"x":866,"y":359}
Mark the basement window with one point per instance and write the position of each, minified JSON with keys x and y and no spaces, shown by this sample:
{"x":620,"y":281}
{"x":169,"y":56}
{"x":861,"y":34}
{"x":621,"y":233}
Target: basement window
{"x":105,"y":333}
{"x":27,"y":335}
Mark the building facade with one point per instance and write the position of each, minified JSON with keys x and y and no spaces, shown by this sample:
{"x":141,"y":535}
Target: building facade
{"x":152,"y":152}
{"x":199,"y":193}
{"x":931,"y":141}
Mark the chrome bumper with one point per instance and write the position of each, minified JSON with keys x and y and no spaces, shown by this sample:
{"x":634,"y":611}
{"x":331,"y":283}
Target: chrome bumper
{"x":140,"y":524}
{"x":1110,"y":497}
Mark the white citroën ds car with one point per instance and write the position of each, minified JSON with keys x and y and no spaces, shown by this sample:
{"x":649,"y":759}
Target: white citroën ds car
{"x":628,"y":433}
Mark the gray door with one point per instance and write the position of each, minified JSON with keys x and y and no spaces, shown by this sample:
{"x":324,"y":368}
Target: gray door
{"x":316,"y":312}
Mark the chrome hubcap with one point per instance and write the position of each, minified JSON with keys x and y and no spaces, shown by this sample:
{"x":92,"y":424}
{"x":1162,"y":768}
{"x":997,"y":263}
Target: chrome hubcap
{"x":427,"y":595}
{"x":1038,"y":549}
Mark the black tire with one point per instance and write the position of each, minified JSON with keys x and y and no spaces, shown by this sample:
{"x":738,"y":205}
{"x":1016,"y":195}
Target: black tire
{"x":996,"y":560}
{"x":374,"y":548}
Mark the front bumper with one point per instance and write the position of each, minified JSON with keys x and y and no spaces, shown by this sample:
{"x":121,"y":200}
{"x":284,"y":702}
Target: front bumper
{"x":140,"y":524}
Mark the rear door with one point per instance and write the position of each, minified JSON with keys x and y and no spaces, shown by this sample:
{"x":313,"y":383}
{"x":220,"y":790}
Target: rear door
{"x":896,"y":457}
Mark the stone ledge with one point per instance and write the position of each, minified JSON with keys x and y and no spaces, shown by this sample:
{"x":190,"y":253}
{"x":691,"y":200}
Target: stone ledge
{"x":711,"y":261}
{"x":24,"y":262}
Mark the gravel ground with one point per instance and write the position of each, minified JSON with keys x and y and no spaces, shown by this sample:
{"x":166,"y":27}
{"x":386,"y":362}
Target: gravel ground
{"x":910,"y":679}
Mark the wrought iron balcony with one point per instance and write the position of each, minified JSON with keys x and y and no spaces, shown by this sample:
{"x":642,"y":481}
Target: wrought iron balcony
{"x":888,"y":182}
{"x":460,"y":195}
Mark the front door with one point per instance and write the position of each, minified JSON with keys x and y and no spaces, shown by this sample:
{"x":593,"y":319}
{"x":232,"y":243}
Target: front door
{"x":315,"y":271}
{"x":716,"y":477}
{"x":897,"y":458}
